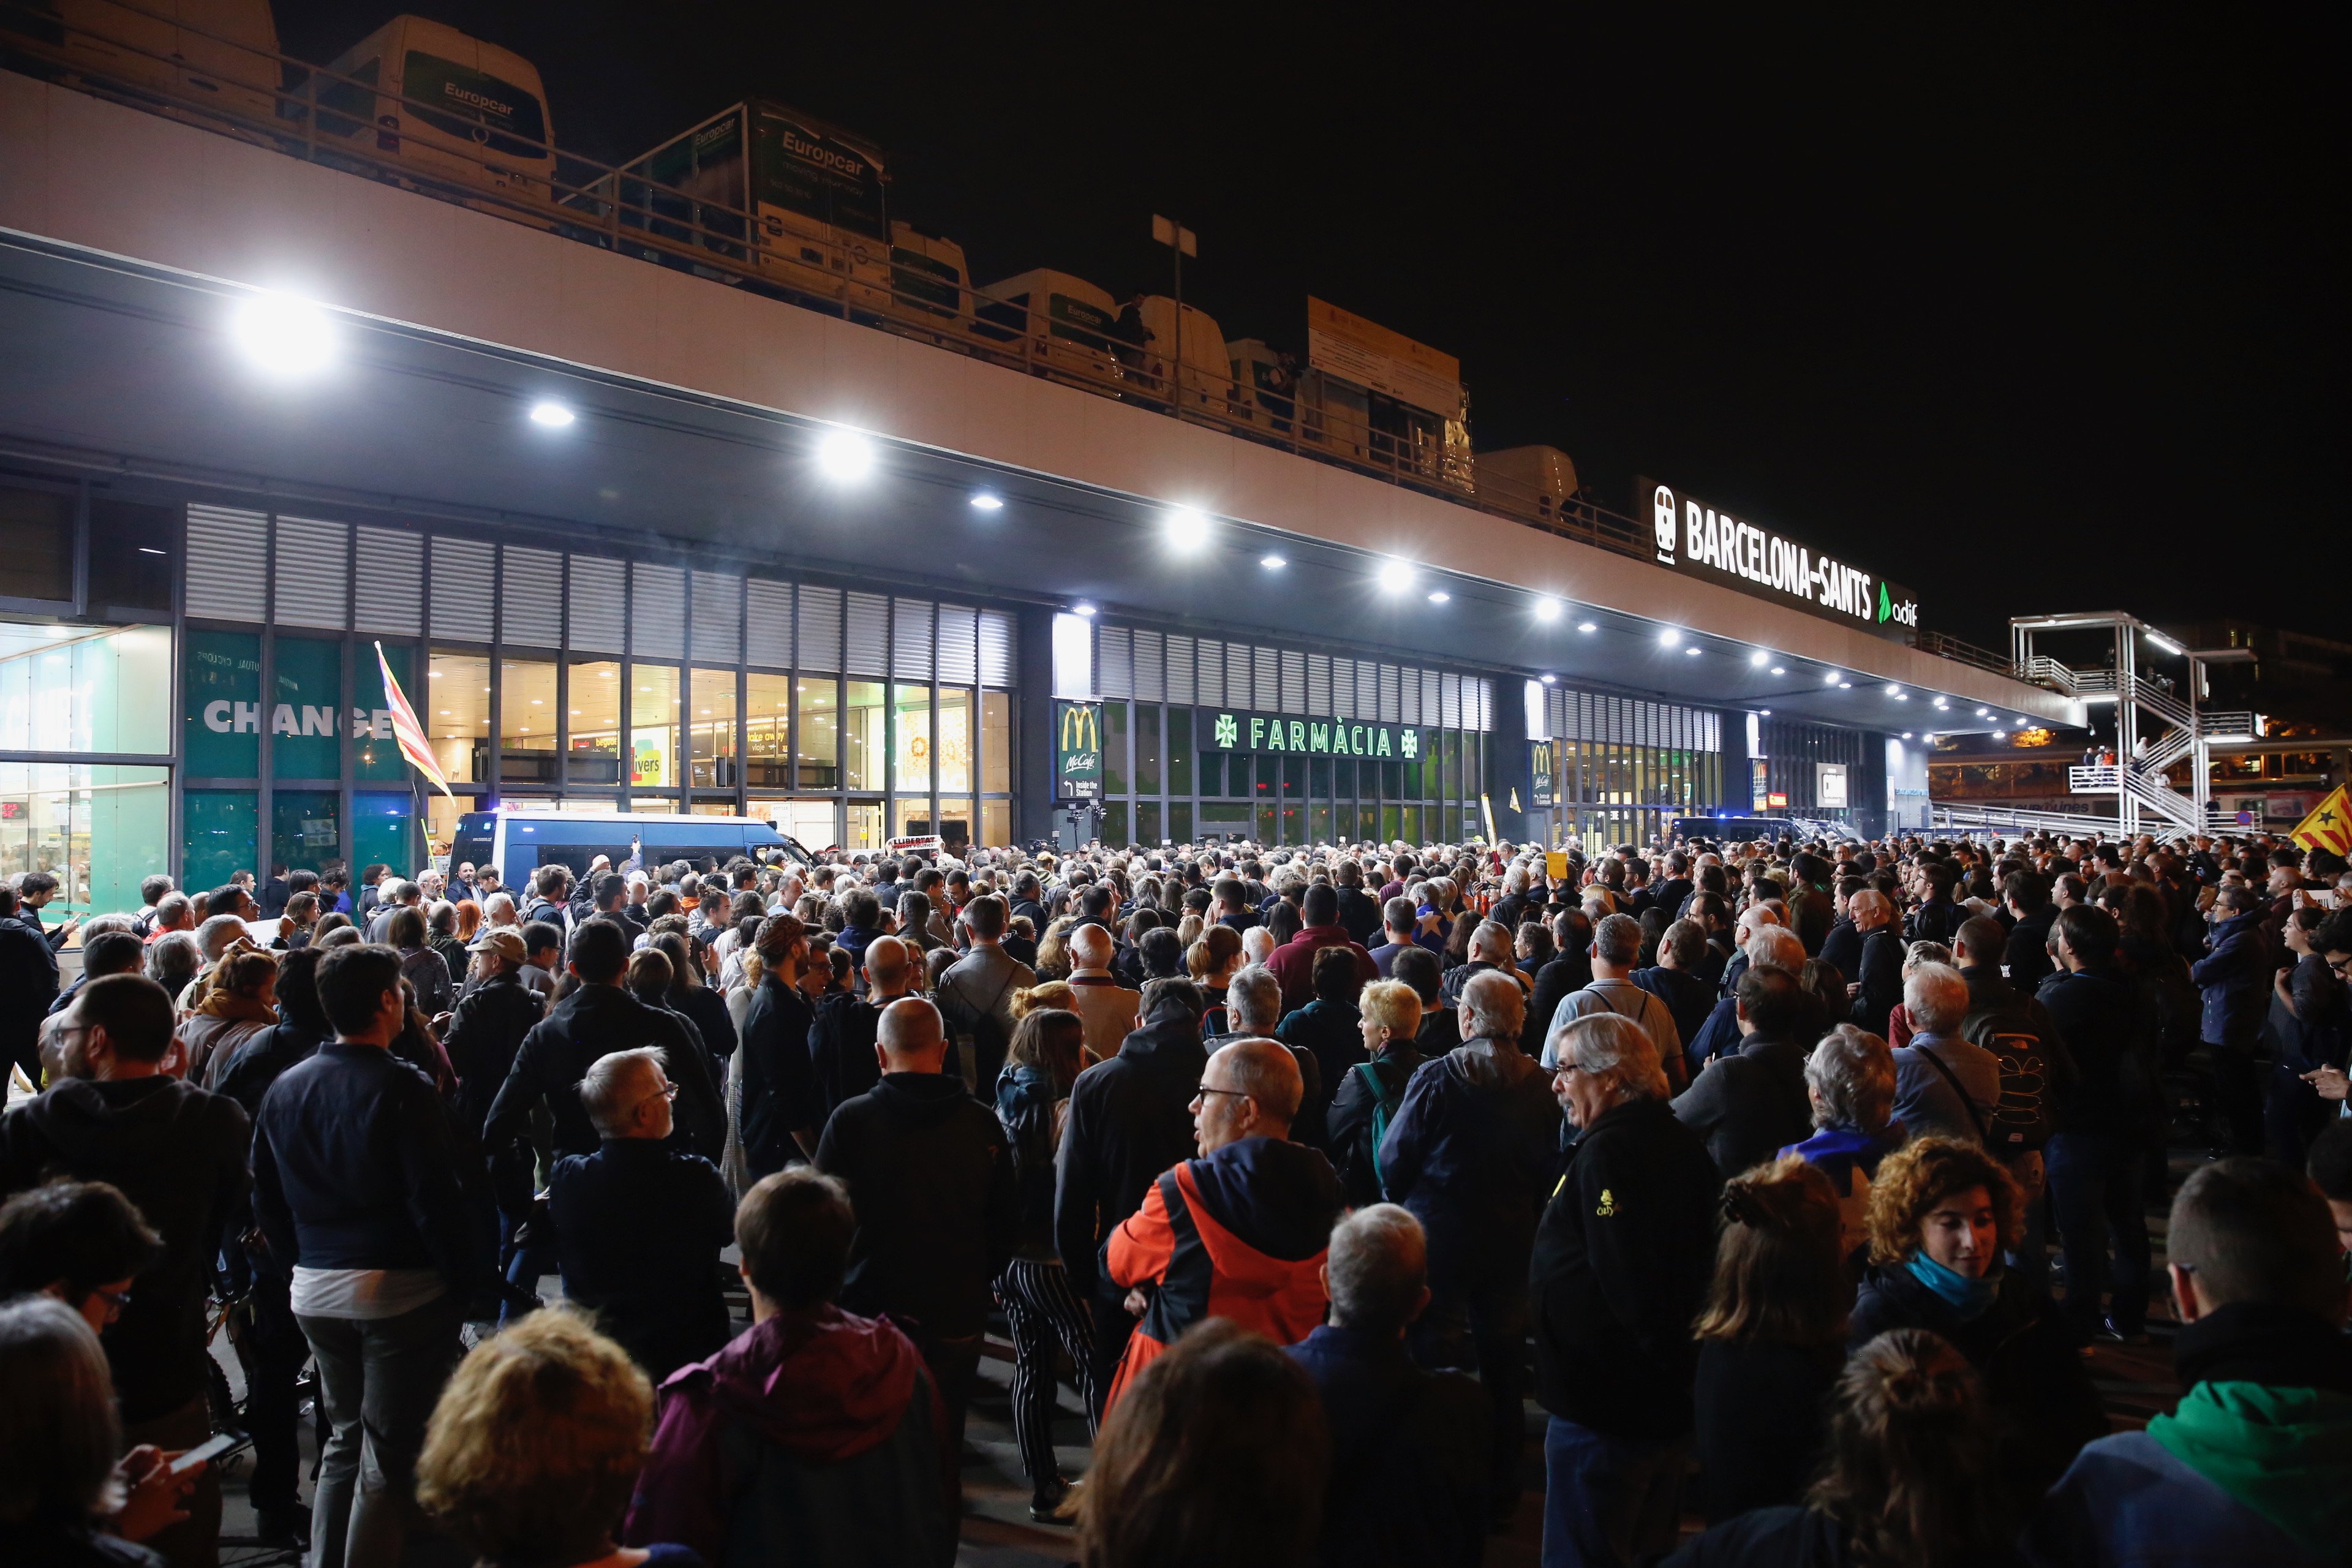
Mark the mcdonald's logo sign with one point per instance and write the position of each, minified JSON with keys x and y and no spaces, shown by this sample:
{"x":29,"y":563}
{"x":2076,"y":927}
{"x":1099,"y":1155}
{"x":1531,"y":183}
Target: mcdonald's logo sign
{"x":1544,"y":766}
{"x":1077,"y":751}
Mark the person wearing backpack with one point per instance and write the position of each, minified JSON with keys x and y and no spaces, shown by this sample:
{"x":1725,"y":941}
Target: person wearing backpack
{"x":975,"y":994}
{"x":2034,"y":1064}
{"x":1370,"y":1091}
{"x":2096,"y":1154}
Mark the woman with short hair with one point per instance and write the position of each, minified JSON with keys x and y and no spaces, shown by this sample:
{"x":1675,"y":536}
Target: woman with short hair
{"x":1371,"y":1090}
{"x":1850,"y":1081}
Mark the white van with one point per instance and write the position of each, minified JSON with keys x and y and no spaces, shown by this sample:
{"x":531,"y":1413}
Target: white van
{"x":929,"y":276}
{"x":474,"y":113}
{"x":1530,"y":482}
{"x":1207,"y":377}
{"x":217,"y":52}
{"x":1071,"y":327}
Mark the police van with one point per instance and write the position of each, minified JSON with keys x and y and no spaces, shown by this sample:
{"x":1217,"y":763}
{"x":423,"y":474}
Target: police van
{"x":520,"y":842}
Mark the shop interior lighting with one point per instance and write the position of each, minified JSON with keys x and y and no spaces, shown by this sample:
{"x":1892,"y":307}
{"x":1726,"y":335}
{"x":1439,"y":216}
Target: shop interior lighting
{"x":983,"y":501}
{"x":1547,"y":610}
{"x":844,"y":456}
{"x":554,"y":415}
{"x":283,"y":335}
{"x":1272,"y":562}
{"x":1187,"y":529}
{"x":1393,"y":576}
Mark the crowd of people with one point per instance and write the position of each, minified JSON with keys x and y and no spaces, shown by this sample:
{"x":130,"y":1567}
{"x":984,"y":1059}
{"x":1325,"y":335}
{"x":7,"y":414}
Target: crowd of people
{"x":1796,"y":1183}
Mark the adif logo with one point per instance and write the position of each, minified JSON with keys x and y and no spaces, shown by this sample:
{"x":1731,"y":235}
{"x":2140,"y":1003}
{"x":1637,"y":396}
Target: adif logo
{"x":1662,"y":521}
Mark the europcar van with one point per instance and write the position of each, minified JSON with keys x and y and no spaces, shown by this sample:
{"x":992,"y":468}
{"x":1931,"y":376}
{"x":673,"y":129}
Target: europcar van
{"x":1072,"y":327}
{"x":444,"y":105}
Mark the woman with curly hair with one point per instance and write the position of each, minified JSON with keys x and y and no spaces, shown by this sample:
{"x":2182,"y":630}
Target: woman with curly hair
{"x":1942,"y":1213}
{"x":1911,"y":1478}
{"x":533,"y":1450}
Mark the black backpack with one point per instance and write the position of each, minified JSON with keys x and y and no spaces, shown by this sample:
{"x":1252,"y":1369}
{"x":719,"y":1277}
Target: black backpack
{"x":2021,"y":1122}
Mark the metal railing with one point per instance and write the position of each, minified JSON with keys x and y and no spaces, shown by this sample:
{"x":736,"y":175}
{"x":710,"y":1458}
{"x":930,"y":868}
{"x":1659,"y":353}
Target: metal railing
{"x":316,"y":115}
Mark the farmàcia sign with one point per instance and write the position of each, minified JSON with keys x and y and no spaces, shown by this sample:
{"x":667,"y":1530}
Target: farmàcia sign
{"x":1700,"y":541}
{"x":1231,"y":732}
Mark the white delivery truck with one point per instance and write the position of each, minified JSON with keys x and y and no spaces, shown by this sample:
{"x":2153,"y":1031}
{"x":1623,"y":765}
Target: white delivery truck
{"x":444,"y":105}
{"x":1071,"y":327}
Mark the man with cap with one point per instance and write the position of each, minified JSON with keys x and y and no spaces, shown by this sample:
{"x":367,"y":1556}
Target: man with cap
{"x":482,"y":1037}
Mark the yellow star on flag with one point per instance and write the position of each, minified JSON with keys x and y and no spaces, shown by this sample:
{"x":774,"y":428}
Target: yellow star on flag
{"x":2329,"y":827}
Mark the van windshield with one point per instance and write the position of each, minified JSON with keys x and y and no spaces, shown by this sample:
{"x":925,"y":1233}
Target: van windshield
{"x":474,"y":105}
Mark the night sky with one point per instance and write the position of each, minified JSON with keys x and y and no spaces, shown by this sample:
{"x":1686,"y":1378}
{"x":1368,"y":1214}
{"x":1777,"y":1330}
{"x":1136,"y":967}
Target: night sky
{"x":2031,"y":313}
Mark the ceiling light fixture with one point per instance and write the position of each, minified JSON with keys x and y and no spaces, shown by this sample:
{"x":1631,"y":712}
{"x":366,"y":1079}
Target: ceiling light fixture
{"x":1393,"y":576}
{"x":1759,"y":659}
{"x":1780,"y":669}
{"x":1439,"y":597}
{"x":1690,"y":653}
{"x":983,"y":501}
{"x":1670,"y":638}
{"x":1586,"y":627}
{"x":844,"y":456}
{"x":283,"y":335}
{"x":1547,"y":610}
{"x":1187,"y":529}
{"x":1549,"y":679}
{"x":1272,"y":562}
{"x":554,"y":415}
{"x":1082,"y":608}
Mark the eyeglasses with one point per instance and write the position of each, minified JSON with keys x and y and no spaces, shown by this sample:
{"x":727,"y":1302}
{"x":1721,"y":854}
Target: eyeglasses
{"x":1204,"y":1091}
{"x":115,"y":1300}
{"x":666,"y":1091}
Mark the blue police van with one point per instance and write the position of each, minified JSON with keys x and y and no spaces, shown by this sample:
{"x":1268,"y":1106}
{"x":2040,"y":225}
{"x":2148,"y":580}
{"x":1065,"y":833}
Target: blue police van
{"x":520,"y":842}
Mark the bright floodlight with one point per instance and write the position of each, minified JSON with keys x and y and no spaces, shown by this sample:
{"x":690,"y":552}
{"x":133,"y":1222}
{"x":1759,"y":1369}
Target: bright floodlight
{"x":1907,"y":734}
{"x":1393,"y":576}
{"x":1272,"y":562}
{"x":1670,"y":638}
{"x":283,"y":335}
{"x":1082,"y":608}
{"x":982,"y":501}
{"x":1187,"y":529}
{"x":1832,"y":678}
{"x":1893,"y":689}
{"x":1586,"y":627}
{"x":1759,"y":659}
{"x":1547,"y":610}
{"x":1552,"y":680}
{"x":844,"y":455}
{"x":1439,"y":597}
{"x":554,"y":415}
{"x":1984,"y":713}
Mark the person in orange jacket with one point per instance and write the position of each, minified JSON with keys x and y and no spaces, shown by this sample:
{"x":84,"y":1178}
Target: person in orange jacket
{"x":1239,"y":1233}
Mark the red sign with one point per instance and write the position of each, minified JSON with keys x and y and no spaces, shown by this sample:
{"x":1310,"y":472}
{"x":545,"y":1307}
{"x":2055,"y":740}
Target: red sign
{"x":1777,"y":797}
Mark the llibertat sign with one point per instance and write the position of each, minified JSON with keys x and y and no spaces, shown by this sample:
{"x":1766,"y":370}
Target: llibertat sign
{"x":1704,"y":541}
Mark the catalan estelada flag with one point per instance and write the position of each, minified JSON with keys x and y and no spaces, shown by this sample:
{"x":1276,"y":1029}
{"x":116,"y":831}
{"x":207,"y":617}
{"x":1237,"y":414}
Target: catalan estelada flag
{"x":406,"y":730}
{"x":2329,"y":827}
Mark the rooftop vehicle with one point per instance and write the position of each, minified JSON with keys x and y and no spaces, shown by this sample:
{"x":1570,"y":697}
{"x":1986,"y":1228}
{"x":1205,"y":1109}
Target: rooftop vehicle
{"x":474,"y":115}
{"x":1537,"y":481}
{"x":220,"y":52}
{"x":520,"y":842}
{"x":1072,"y":327}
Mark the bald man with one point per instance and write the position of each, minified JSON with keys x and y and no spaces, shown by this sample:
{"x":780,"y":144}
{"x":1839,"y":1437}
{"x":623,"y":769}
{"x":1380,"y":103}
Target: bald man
{"x":930,"y":1178}
{"x":1256,"y":1207}
{"x":1108,"y":1008}
{"x":843,"y":1035}
{"x":1878,"y":990}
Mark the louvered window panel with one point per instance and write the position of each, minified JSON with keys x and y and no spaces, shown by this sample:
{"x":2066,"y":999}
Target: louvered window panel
{"x":656,"y":611}
{"x":958,"y":654}
{"x":1294,"y":682}
{"x":1389,"y":702}
{"x":225,"y":563}
{"x":1266,"y":679}
{"x":1113,"y":662}
{"x":531,"y":598}
{"x":1427,"y":680}
{"x":1449,"y":696}
{"x":910,"y":634}
{"x":996,"y":650}
{"x":1368,"y":691}
{"x":1151,"y":653}
{"x":1318,"y":683}
{"x":717,"y":618}
{"x":867,"y":645}
{"x":1484,"y":692}
{"x":392,"y":568}
{"x":1180,"y":669}
{"x":768,"y":623}
{"x":465,"y":573}
{"x":1209,"y":684}
{"x":311,"y":582}
{"x":816,"y":629}
{"x":1343,"y":688}
{"x":1240,"y":682}
{"x":596,"y":603}
{"x":1409,"y":710}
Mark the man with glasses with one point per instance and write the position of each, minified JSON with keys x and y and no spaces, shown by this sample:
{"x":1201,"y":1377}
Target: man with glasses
{"x":639,"y":1224}
{"x":1257,"y":1208}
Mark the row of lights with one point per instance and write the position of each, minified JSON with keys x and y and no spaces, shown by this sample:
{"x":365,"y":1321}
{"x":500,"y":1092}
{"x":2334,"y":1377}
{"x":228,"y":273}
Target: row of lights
{"x":290,"y":337}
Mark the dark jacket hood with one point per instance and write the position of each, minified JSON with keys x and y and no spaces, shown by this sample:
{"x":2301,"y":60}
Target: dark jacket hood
{"x":1169,"y":1026}
{"x":824,"y":1387}
{"x":89,"y":1121}
{"x":922,"y":1099}
{"x":2249,"y":1342}
{"x":1281,"y":1199}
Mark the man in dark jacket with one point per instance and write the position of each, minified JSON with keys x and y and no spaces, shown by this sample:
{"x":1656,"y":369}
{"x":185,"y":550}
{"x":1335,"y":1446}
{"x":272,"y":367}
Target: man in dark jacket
{"x":1751,"y":1104}
{"x":1621,"y":1266}
{"x":1571,"y":971}
{"x":1877,"y":986}
{"x":2026,"y":896}
{"x":1468,"y":1152}
{"x":29,"y":982}
{"x":2036,"y":1069}
{"x":1937,"y":919}
{"x":355,"y":1186}
{"x":1407,"y":1447}
{"x":844,"y":1027}
{"x":1360,"y":912}
{"x":779,"y":1111}
{"x":2107,"y":1117}
{"x":1128,"y":1121}
{"x":1675,"y":979}
{"x":931,"y":1178}
{"x":2235,"y":980}
{"x":177,"y":1152}
{"x":1294,"y":961}
{"x":1812,"y":909}
{"x":638,"y":1224}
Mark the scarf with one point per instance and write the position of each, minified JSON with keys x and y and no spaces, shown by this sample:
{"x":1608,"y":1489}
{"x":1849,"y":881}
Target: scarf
{"x":1970,"y":1299}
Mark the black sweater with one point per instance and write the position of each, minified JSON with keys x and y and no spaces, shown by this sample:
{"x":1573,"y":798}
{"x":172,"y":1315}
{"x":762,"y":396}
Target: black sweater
{"x":1763,"y":1413}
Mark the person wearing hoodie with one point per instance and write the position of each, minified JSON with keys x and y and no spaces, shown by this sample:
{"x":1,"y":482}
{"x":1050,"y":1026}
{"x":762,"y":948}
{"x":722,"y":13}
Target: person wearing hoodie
{"x":2234,"y":981}
{"x":2249,"y":1468}
{"x":239,"y":1004}
{"x":815,"y":1437}
{"x":176,"y":1152}
{"x":1470,"y":1154}
{"x":928,"y":1168}
{"x":1239,"y":1233}
{"x":1941,"y":1215}
{"x":1128,"y":1122}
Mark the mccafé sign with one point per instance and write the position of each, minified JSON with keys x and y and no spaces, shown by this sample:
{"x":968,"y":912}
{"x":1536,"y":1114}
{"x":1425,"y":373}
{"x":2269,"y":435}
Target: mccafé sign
{"x":1694,"y":537}
{"x":1077,"y":751}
